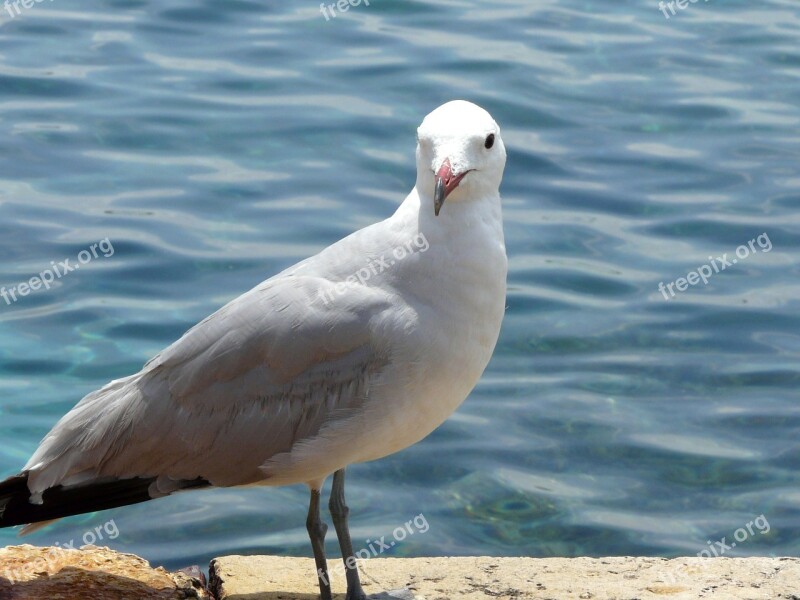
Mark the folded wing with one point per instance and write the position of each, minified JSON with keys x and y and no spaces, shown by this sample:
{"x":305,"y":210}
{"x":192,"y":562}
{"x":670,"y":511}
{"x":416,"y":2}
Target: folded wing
{"x":268,"y":371}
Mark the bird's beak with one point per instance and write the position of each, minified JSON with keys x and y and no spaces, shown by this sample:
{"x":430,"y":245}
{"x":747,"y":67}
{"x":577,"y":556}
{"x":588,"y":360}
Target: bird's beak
{"x":446,"y":182}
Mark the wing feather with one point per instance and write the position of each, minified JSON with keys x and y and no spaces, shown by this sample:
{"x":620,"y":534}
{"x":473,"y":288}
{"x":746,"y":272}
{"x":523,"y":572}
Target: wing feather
{"x":264,"y":373}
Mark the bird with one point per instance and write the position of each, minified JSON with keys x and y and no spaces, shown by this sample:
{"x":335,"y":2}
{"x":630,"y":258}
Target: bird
{"x":346,"y":357}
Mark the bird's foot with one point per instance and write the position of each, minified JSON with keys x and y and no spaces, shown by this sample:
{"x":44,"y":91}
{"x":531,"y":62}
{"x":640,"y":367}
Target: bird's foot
{"x":402,"y":594}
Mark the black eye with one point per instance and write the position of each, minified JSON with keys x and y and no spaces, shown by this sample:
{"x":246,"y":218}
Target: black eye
{"x":489,"y":141}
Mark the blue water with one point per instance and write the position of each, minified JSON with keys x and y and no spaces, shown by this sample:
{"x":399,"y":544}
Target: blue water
{"x":215,"y":143}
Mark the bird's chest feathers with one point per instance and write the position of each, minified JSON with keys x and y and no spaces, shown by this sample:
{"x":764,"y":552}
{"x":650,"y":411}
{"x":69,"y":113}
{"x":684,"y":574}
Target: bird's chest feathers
{"x":461,"y":291}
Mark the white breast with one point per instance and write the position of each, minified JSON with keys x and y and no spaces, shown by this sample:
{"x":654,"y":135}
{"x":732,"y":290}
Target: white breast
{"x":457,"y":290}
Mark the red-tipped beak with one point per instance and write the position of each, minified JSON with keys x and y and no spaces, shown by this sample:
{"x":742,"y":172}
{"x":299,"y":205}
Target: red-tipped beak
{"x":446,"y":182}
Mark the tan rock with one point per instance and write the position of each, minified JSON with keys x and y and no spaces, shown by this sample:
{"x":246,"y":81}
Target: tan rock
{"x":91,"y":573}
{"x":31,"y":573}
{"x":619,"y":578}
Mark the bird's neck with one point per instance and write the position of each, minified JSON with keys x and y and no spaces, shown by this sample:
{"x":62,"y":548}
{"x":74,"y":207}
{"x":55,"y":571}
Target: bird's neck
{"x":460,"y":278}
{"x":464,"y":251}
{"x":466,"y":220}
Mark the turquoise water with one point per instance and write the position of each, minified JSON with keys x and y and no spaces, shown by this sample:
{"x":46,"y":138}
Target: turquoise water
{"x":215,"y":143}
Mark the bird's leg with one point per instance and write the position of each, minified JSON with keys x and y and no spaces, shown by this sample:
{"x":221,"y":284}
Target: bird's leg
{"x":316,"y":532}
{"x":339,"y":512}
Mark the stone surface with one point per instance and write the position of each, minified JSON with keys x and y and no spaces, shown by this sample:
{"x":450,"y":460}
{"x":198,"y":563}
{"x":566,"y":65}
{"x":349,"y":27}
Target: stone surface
{"x":622,"y":578}
{"x":92,"y":573}
{"x":31,"y":573}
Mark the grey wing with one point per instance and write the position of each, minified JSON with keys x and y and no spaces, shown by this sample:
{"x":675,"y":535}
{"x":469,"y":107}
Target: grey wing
{"x":266,"y":372}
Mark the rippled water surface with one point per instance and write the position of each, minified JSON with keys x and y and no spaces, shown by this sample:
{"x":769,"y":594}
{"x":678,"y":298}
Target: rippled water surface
{"x":215,"y":143}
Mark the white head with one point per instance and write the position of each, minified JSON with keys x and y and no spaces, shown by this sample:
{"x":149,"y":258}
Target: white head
{"x":460,"y":155}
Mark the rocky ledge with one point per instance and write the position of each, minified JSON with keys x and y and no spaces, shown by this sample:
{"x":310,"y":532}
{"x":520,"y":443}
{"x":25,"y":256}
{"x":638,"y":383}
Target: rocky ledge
{"x":95,"y":573}
{"x":91,"y":573}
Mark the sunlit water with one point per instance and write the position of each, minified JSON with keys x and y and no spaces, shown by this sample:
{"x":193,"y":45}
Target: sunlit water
{"x":215,"y":143}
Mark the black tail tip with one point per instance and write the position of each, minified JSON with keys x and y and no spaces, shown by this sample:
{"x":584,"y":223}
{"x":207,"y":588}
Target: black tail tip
{"x":65,"y":501}
{"x":11,"y":490}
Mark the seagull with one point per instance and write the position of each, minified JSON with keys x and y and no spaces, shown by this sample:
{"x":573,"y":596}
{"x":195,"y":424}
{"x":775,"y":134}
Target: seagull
{"x":346,"y":357}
